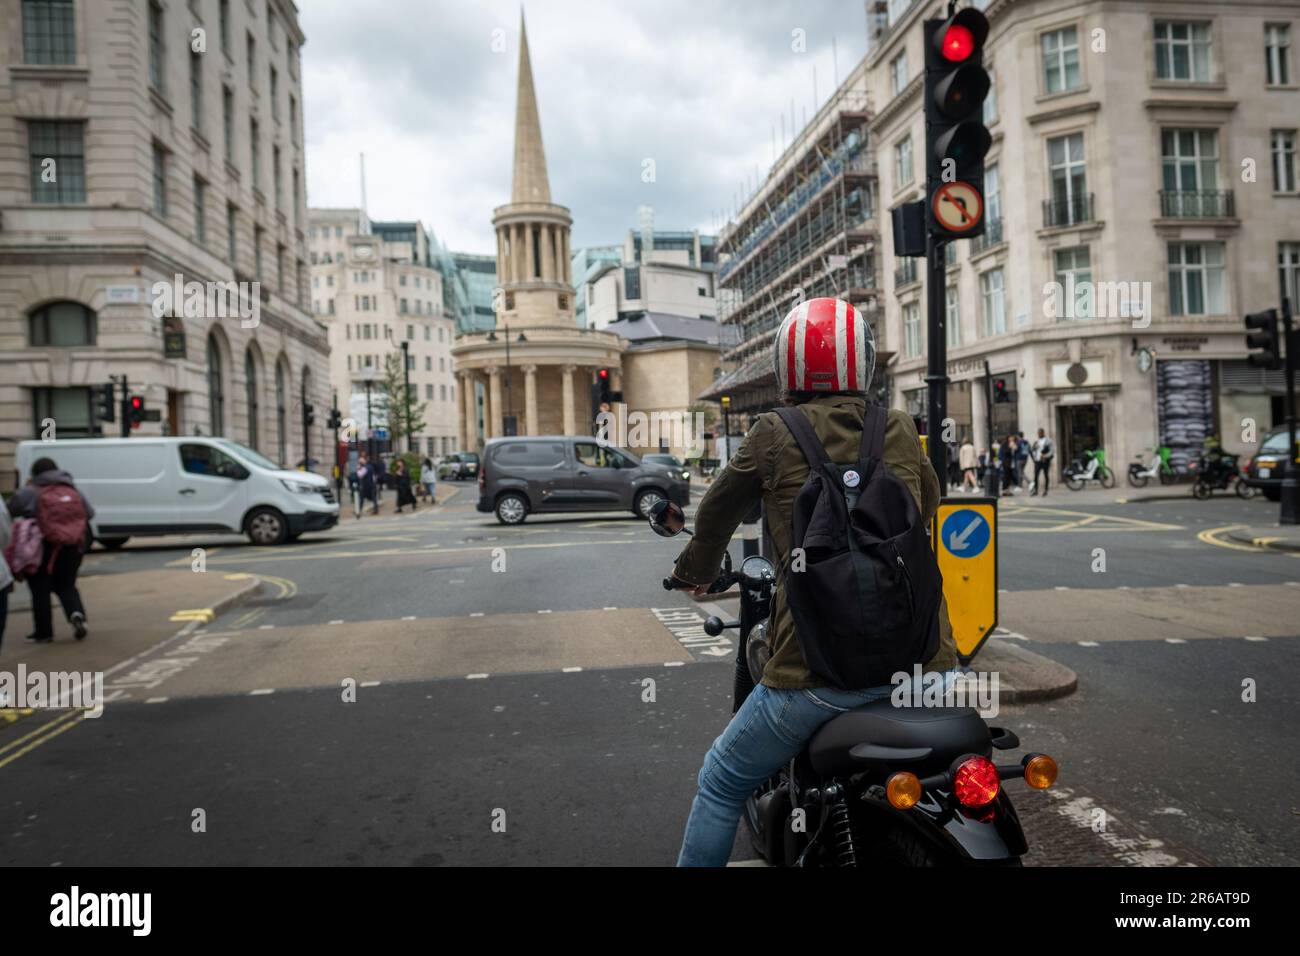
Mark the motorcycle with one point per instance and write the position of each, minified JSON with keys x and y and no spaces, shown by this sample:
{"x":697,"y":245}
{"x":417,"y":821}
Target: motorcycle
{"x":1077,"y":474}
{"x":881,"y":785}
{"x":1218,"y":474}
{"x":1139,"y":474}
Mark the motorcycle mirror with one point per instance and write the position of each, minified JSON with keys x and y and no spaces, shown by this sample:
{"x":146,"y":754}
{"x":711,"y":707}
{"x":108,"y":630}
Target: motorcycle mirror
{"x":667,"y":518}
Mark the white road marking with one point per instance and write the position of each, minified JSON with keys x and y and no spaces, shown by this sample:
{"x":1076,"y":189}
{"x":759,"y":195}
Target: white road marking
{"x":1174,"y":640}
{"x":673,"y":663}
{"x":570,"y":670}
{"x":156,"y":700}
{"x":1134,"y":851}
{"x":409,"y":617}
{"x":544,"y":611}
{"x":1234,"y":584}
{"x":340,"y":621}
{"x":1255,"y":637}
{"x":475,"y":676}
{"x":1089,"y":644}
{"x":476,"y":614}
{"x":609,"y":609}
{"x":370,"y":683}
{"x":261,"y":691}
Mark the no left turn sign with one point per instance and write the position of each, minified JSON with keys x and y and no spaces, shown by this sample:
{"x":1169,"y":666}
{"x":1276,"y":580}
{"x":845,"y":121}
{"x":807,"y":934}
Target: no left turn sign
{"x":958,"y":207}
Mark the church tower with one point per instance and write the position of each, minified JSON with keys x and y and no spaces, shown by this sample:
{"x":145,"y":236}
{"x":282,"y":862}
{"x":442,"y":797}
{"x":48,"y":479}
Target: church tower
{"x":534,"y":373}
{"x":532,"y":232}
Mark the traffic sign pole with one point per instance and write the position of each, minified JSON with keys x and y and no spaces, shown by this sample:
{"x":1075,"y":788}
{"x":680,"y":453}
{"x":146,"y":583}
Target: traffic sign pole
{"x":936,"y":377}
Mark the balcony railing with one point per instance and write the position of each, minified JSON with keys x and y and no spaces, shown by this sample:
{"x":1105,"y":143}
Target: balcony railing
{"x":1197,"y":204}
{"x":991,"y":236}
{"x":905,"y":273}
{"x":1067,"y":212}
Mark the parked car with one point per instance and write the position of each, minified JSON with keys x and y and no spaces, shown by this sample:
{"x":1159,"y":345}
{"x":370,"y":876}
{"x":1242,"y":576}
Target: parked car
{"x":671,"y":462}
{"x":459,"y":466}
{"x":1263,"y":470}
{"x":557,"y":473}
{"x":180,"y":485}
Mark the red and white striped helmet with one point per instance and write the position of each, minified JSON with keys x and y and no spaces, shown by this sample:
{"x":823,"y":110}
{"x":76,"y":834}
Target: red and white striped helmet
{"x":824,"y":345}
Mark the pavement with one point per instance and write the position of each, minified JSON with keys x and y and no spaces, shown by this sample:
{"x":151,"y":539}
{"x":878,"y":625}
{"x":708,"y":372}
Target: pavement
{"x":1275,"y":537}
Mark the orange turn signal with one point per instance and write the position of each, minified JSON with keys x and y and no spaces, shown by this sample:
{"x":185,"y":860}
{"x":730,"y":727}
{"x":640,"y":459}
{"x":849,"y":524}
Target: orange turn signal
{"x":1040,"y":772}
{"x":903,"y":790}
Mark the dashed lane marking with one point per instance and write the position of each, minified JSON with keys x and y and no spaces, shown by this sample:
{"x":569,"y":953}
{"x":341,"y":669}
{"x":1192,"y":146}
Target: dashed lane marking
{"x":261,"y":692}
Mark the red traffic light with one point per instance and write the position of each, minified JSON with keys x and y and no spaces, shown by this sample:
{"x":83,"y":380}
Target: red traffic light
{"x":604,"y":373}
{"x":958,"y":43}
{"x":137,"y":403}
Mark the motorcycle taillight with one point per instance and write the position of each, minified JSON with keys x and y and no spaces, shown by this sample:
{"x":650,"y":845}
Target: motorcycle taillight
{"x":975,"y":782}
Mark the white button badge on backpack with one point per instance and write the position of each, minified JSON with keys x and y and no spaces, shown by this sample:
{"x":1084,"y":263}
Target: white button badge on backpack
{"x":851,"y":478}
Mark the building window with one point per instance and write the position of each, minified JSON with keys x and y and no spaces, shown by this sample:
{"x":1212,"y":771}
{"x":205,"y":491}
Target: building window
{"x":428,"y":391}
{"x":276,"y":178}
{"x":231,"y":246}
{"x":49,"y":32}
{"x":428,"y":334}
{"x":251,"y":393}
{"x":157,"y":47}
{"x":216,"y":391}
{"x":223,"y":21}
{"x":254,"y":149}
{"x":428,"y":363}
{"x":228,"y":122}
{"x":159,"y":181}
{"x":912,"y":330}
{"x":401,"y":306}
{"x":952,"y":317}
{"x":1069,"y":176}
{"x":62,"y":325}
{"x":1277,"y":53}
{"x":275,"y":94}
{"x":1284,"y":177}
{"x":281,"y":415}
{"x":898,"y":73}
{"x":71,"y":407}
{"x":293,"y":118}
{"x":410,"y":332}
{"x":196,"y":91}
{"x":257,"y":252}
{"x":1191,"y":159}
{"x":250,"y":50}
{"x":1196,"y":280}
{"x":903,"y":162}
{"x":279,"y":269}
{"x":1061,"y":60}
{"x":1288,"y":271}
{"x":200,"y":211}
{"x":58,"y":162}
{"x":1183,"y":51}
{"x":1074,"y":275}
{"x":993,"y":298}
{"x":992,"y":197}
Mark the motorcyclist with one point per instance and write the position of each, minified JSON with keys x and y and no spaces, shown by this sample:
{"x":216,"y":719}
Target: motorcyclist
{"x":825,"y":356}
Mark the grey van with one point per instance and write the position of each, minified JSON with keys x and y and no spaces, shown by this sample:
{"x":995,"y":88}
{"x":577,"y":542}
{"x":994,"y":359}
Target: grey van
{"x":522,"y":476}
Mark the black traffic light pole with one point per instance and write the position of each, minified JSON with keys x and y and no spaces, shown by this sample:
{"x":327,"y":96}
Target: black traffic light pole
{"x":1290,"y":513}
{"x":937,"y":350}
{"x":125,"y":408}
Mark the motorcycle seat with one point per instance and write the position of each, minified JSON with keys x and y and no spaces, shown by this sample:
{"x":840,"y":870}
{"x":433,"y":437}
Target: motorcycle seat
{"x":949,"y":732}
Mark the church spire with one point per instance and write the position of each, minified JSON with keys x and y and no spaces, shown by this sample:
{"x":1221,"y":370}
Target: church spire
{"x":530,"y":182}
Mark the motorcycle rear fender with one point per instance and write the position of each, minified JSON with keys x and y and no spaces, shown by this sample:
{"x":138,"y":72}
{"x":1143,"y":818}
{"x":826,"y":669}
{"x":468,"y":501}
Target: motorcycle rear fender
{"x":993,"y":833}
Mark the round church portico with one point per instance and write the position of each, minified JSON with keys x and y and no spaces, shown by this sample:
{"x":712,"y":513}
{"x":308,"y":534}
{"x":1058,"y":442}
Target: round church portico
{"x":536,"y":367}
{"x":549,"y":379}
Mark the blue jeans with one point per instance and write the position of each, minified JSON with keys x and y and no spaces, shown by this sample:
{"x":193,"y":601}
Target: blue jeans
{"x":767,"y":732}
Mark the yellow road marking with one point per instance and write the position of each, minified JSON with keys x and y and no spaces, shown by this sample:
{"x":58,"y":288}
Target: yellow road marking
{"x":1208,"y":536}
{"x":204,"y":614}
{"x":44,"y":732}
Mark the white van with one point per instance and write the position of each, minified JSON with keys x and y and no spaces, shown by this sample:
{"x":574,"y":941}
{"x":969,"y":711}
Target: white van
{"x":157,"y":486}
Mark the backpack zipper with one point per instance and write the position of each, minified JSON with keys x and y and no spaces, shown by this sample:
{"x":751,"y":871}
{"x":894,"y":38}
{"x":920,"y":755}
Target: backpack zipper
{"x":907,"y":579}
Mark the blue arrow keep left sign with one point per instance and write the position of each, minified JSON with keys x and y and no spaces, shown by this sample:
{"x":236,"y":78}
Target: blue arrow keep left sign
{"x":965,"y":533}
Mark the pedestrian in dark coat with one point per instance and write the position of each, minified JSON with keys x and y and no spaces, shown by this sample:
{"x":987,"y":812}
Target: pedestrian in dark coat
{"x":402,"y":477}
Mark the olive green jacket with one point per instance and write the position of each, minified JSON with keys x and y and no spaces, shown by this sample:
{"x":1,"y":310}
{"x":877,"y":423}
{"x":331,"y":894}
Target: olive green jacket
{"x":770,"y":466}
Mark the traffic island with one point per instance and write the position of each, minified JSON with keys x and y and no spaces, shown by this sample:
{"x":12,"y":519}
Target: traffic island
{"x":1271,"y":537}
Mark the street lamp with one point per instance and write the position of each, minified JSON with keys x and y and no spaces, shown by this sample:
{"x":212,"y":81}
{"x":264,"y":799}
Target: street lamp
{"x":510,"y":405}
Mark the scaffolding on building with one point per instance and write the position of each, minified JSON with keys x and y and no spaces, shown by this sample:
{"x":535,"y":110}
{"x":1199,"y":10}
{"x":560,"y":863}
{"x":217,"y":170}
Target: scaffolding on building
{"x":810,"y":230}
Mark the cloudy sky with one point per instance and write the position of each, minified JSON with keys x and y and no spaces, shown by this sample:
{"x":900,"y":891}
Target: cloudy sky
{"x":426,"y":89}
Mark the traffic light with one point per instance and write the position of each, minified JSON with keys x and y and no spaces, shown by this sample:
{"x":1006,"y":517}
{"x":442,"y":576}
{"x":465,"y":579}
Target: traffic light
{"x":137,"y":410}
{"x":602,"y":379}
{"x":309,"y":414}
{"x":956,"y":139}
{"x":1263,"y":340}
{"x":335,"y":420}
{"x":1000,"y":393}
{"x":106,"y":402}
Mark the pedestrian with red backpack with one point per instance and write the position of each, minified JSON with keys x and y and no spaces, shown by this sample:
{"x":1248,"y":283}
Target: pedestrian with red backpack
{"x":61,"y":515}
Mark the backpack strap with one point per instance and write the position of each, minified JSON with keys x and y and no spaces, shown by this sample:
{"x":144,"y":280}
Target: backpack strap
{"x":873,"y":433}
{"x":813,"y":450}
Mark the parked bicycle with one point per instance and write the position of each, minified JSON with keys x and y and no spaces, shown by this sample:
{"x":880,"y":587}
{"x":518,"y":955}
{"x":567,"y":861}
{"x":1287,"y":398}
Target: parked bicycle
{"x":1078,"y":473}
{"x":1159,"y":467}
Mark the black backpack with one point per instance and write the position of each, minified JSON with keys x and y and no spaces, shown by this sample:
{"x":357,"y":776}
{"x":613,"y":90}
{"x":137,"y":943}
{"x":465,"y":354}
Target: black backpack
{"x":866,"y":604}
